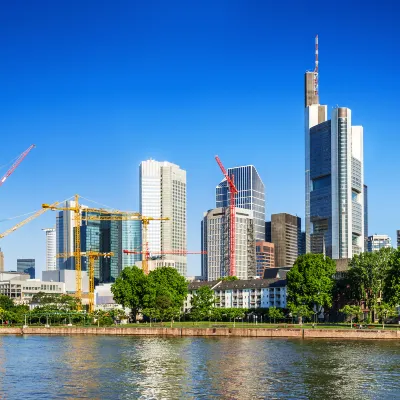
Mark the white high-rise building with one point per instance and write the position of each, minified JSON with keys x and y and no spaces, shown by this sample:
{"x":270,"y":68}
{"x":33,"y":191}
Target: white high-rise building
{"x":163,"y":194}
{"x":215,"y":242}
{"x":50,"y":249}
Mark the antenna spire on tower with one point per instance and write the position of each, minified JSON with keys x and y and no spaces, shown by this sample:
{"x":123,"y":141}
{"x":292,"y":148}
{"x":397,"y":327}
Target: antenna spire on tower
{"x":316,"y":67}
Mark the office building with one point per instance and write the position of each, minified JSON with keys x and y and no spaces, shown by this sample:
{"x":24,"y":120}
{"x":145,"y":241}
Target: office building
{"x":265,"y":255}
{"x":286,"y":237}
{"x":163,"y":195}
{"x":398,"y":239}
{"x":131,"y":240}
{"x":251,"y":195}
{"x":68,"y":278}
{"x":215,"y":241}
{"x":27,"y":266}
{"x":268,"y":232}
{"x":377,"y":242}
{"x":51,"y":249}
{"x":1,"y":261}
{"x":157,"y":263}
{"x":334,"y":177}
{"x":365,"y":217}
{"x":249,"y":294}
{"x":302,"y":248}
{"x":65,"y":242}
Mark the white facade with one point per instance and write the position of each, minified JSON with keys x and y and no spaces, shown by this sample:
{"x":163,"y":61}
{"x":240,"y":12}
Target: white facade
{"x":68,"y":278}
{"x":163,"y":195}
{"x":256,"y":293}
{"x":154,"y":264}
{"x":50,"y":249}
{"x":215,"y":241}
{"x":377,"y":242}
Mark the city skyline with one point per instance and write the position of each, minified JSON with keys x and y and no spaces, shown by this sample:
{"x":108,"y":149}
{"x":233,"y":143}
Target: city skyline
{"x":173,"y":103}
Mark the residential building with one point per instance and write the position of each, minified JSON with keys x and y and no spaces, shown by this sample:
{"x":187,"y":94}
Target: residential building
{"x":286,"y":236}
{"x":27,"y":266}
{"x":51,"y":249}
{"x":276,"y":273}
{"x":163,"y":195}
{"x":377,"y":242}
{"x":1,"y":261}
{"x":265,"y":255}
{"x":21,"y":289}
{"x":253,"y":293}
{"x":215,"y":242}
{"x":365,"y":217}
{"x":334,"y":178}
{"x":251,"y":195}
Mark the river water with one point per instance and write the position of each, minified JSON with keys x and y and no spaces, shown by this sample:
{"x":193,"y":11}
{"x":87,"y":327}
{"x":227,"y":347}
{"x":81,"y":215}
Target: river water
{"x":104,"y":367}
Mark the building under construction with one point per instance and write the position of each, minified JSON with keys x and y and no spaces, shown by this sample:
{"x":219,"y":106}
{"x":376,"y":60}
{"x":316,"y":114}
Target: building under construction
{"x":216,"y":243}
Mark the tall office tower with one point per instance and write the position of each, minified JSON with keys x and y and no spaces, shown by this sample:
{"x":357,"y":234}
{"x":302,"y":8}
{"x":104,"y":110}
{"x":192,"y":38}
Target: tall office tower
{"x":27,"y":266}
{"x":336,"y":187}
{"x":265,"y":254}
{"x":50,"y":249}
{"x":377,"y":242}
{"x":251,"y":195}
{"x":365,"y":217}
{"x":268,"y":231}
{"x":163,"y":194}
{"x":65,"y":224}
{"x":334,"y":177}
{"x":215,"y":241}
{"x":286,"y":236}
{"x":302,"y":247}
{"x":131,"y":240}
{"x":398,"y":239}
{"x":1,"y":261}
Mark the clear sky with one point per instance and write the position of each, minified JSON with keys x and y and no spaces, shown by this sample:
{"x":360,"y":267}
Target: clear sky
{"x":99,"y":86}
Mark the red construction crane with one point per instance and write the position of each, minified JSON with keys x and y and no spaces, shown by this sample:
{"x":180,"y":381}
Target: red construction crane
{"x":16,"y":163}
{"x":232,"y":217}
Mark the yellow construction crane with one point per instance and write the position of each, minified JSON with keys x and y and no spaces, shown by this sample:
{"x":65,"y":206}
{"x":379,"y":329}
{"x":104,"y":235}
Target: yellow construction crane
{"x":92,"y":256}
{"x":132,"y":217}
{"x":25,"y":221}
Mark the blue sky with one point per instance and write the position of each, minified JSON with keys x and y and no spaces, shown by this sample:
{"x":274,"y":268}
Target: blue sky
{"x":99,"y":86}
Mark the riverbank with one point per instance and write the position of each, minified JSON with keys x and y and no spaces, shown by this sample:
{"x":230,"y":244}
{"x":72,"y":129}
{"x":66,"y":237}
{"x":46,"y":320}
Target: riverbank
{"x":210,"y":332}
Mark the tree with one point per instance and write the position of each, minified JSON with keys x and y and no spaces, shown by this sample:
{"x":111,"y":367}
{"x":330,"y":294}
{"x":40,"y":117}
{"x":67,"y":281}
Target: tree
{"x":391,"y":293}
{"x":202,"y":303}
{"x":131,"y":289}
{"x":367,"y":274}
{"x":229,"y":278}
{"x":351,"y":311}
{"x":300,"y":311}
{"x":6,"y":303}
{"x":275,"y":313}
{"x":167,"y":291}
{"x":384,"y":311}
{"x":310,"y":282}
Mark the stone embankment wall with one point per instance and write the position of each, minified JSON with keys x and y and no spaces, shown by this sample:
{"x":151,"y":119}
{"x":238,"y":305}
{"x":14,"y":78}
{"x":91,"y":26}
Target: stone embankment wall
{"x":227,"y":332}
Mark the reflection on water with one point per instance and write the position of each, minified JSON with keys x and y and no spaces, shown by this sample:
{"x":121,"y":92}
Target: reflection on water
{"x":39,"y":367}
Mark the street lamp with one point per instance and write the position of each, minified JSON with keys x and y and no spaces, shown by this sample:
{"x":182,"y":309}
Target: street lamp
{"x":47,"y":321}
{"x":26,"y":325}
{"x":256,"y":316}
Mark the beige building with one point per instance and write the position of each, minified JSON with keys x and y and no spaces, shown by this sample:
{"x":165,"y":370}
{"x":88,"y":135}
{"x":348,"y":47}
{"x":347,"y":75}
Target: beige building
{"x":1,"y":261}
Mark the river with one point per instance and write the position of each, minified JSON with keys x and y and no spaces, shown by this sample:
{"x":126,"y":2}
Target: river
{"x":102,"y":367}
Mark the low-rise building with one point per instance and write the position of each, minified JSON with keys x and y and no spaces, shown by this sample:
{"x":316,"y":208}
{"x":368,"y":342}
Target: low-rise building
{"x":377,"y":242}
{"x":157,"y":263}
{"x":21,"y":289}
{"x":253,"y":293}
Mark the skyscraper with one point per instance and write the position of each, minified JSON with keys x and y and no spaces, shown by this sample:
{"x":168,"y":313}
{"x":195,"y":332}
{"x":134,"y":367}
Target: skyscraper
{"x":398,"y":239}
{"x":251,"y":195}
{"x":163,"y":194}
{"x":27,"y":266}
{"x":365,"y":217}
{"x":334,"y":179}
{"x":286,"y":237}
{"x":50,"y":249}
{"x":65,"y":224}
{"x":131,"y":240}
{"x":215,"y":242}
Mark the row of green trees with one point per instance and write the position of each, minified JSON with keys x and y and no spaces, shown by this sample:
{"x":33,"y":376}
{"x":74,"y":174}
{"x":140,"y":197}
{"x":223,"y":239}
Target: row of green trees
{"x":373,"y":280}
{"x":158,"y":295}
{"x":11,"y":313}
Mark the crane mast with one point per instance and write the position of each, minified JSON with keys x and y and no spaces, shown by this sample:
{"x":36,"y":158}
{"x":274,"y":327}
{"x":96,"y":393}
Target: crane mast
{"x":232,"y":217}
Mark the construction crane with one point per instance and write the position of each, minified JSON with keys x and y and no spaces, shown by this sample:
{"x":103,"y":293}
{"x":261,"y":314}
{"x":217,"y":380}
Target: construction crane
{"x":132,"y":217}
{"x":232,"y":217}
{"x":16,"y":163}
{"x":25,"y":221}
{"x":92,"y":256}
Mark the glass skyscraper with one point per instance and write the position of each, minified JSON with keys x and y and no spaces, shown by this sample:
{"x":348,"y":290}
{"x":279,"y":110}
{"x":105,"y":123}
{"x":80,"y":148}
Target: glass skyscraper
{"x":251,"y":195}
{"x":131,"y":240}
